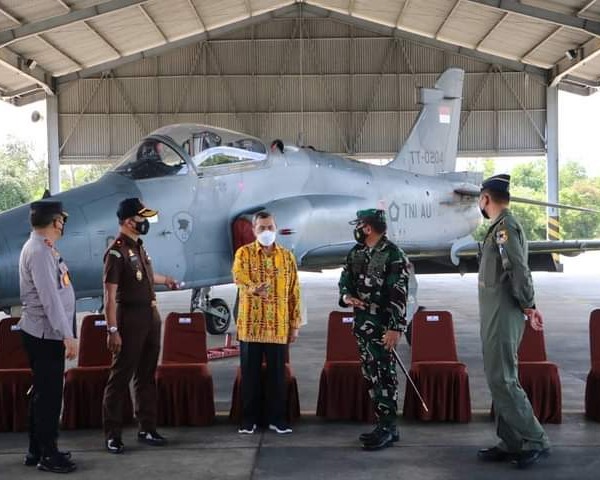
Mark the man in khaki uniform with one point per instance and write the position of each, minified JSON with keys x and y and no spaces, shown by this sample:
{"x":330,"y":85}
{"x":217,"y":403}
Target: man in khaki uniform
{"x":506,"y":302}
{"x":133,"y":325}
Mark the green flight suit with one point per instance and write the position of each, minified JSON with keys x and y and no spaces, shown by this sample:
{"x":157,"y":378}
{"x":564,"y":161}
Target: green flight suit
{"x":379,"y":277}
{"x":505,"y":290}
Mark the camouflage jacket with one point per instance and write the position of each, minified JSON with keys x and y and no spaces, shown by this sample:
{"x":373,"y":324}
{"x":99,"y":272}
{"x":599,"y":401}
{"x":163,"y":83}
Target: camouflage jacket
{"x":378,"y":277}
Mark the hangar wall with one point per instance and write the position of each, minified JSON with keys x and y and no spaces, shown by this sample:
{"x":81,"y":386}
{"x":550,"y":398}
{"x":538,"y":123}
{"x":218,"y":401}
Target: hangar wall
{"x":354,"y":93}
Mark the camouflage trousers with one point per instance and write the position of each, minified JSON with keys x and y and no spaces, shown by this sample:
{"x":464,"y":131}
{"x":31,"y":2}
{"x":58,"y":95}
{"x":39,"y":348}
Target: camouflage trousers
{"x":378,"y":368}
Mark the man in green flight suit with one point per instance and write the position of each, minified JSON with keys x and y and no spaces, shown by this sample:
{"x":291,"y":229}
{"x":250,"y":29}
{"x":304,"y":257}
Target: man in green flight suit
{"x":506,"y":302}
{"x":374,"y":282}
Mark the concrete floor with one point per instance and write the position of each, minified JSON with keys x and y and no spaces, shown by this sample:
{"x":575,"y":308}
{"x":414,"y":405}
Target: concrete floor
{"x":330,"y":450}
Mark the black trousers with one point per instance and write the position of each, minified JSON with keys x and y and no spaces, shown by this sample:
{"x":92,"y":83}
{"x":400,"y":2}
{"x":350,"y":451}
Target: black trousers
{"x":47,"y":361}
{"x":251,"y":359}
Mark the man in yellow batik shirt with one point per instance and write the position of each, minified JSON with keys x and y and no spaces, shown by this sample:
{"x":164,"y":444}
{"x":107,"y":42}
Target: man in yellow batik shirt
{"x":268,"y":319}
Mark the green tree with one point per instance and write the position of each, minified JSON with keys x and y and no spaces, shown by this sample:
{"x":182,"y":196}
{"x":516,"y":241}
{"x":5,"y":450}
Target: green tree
{"x":531,"y":217}
{"x":12,"y":193}
{"x":574,"y":224}
{"x":22,"y":178}
{"x":570,"y":173}
{"x":76,"y":175}
{"x":531,"y":175}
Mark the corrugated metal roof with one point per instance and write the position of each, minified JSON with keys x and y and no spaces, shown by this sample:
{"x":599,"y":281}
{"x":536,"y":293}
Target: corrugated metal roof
{"x":41,"y":39}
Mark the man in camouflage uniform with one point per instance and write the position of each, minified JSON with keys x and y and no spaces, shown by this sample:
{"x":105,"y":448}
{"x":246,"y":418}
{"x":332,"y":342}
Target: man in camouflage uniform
{"x":374,"y":282}
{"x":506,"y":302}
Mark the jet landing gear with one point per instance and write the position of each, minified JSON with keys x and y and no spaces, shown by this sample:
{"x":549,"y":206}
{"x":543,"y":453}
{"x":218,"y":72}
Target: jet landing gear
{"x":215,"y":310}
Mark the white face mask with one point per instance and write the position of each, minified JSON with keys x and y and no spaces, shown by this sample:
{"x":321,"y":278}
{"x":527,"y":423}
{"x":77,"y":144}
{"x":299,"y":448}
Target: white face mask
{"x":266,"y":238}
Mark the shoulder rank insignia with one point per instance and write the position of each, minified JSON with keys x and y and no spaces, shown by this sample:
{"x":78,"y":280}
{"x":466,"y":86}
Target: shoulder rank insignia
{"x":115,"y":253}
{"x":501,"y":236}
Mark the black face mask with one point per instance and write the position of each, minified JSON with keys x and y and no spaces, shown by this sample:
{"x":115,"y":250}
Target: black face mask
{"x":359,"y":235}
{"x":142,"y":227}
{"x":484,"y":213}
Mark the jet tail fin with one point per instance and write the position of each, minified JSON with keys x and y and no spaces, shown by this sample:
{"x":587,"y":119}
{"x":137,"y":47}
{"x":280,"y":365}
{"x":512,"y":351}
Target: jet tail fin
{"x":433,"y":140}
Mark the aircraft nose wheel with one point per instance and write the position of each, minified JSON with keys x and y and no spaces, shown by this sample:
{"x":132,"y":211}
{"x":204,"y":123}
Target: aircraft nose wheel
{"x":215,"y":310}
{"x":219,"y":323}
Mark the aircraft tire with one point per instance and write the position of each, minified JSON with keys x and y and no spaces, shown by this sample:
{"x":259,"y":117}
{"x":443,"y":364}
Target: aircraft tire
{"x":216,"y":325}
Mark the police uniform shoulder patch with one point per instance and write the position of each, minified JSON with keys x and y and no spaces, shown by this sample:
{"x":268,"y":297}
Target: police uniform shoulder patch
{"x":501,"y":236}
{"x":114,"y":253}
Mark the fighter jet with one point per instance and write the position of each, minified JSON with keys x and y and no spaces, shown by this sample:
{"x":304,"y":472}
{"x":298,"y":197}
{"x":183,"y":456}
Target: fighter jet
{"x":207,"y":183}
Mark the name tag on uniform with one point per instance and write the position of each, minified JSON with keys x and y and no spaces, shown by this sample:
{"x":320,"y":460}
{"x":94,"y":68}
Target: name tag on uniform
{"x":185,"y":321}
{"x":433,"y":318}
{"x":347,"y":319}
{"x":15,"y":328}
{"x":100,"y":323}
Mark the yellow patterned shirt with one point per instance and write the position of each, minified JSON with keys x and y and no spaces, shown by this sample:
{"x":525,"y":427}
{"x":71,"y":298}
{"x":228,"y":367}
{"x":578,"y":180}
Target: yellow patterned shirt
{"x":266,"y":320}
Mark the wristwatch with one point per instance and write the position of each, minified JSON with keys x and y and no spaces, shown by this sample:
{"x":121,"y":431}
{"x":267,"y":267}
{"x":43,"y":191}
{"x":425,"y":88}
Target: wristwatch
{"x":112,"y":329}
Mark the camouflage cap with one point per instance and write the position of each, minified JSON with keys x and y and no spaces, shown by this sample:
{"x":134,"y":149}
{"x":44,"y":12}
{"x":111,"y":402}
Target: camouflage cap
{"x":369,"y":214}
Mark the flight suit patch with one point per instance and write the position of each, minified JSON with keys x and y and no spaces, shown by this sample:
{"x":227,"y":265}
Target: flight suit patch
{"x":501,"y":237}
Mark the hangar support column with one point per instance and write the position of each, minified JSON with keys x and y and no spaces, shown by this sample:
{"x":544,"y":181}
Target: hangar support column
{"x":552,"y":232}
{"x":52,"y":143}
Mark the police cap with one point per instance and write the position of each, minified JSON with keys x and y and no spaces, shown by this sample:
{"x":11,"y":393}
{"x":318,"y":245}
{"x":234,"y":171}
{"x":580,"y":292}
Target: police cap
{"x":131,"y":207}
{"x":369,"y":215}
{"x":48,"y":208}
{"x":497,"y":183}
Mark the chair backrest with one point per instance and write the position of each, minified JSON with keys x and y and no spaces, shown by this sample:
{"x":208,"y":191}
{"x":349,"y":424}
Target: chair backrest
{"x":595,"y":337}
{"x":532,"y":348}
{"x":12,"y":352}
{"x":93,"y":351}
{"x":185,"y":338}
{"x":341,"y":343}
{"x":433,"y":337}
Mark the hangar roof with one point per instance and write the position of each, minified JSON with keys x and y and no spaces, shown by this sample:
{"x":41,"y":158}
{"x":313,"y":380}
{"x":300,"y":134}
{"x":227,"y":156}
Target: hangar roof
{"x":45,"y":42}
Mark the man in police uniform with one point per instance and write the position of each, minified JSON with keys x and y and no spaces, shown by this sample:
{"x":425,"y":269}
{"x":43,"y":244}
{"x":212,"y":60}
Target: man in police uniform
{"x":133,"y":325}
{"x":374,"y":282}
{"x":48,"y":330}
{"x":506,"y":301}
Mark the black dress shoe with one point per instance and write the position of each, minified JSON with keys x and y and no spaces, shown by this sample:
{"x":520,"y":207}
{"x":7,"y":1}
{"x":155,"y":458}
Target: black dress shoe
{"x":115,"y":445}
{"x":56,"y":463}
{"x":382,"y":438}
{"x":32,"y":459}
{"x":495,"y":454}
{"x":528,"y":458}
{"x":152,"y":438}
{"x":366,"y":437}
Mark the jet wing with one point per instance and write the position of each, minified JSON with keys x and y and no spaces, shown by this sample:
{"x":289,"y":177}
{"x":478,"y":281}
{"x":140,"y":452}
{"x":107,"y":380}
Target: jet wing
{"x":540,"y":253}
{"x":436,"y":260}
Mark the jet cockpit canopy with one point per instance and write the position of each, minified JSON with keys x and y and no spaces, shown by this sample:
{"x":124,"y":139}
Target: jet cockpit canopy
{"x":211,"y":151}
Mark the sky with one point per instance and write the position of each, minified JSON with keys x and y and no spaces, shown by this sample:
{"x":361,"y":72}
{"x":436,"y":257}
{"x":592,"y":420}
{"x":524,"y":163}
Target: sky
{"x":578,"y":131}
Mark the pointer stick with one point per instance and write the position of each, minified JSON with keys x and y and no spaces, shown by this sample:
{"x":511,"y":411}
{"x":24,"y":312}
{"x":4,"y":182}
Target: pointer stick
{"x":397,"y":357}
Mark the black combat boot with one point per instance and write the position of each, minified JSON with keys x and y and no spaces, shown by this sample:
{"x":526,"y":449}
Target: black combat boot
{"x":367,"y":436}
{"x":383,"y":436}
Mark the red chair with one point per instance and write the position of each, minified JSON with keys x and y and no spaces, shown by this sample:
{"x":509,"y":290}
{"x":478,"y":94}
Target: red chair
{"x":15,"y":378}
{"x":539,"y":377}
{"x":292,"y":412}
{"x":592,"y":385}
{"x":183,"y":380}
{"x":85,"y":384}
{"x":442,"y":380}
{"x":343,"y":391}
